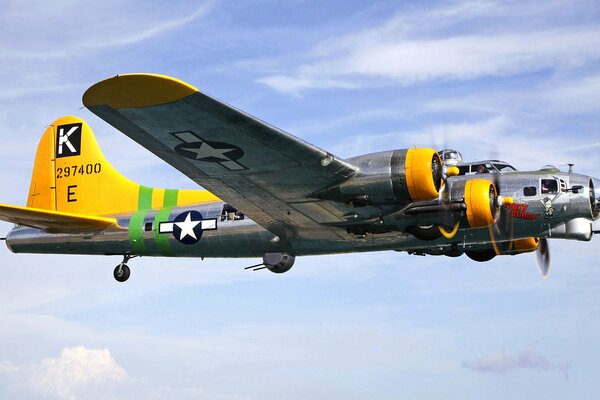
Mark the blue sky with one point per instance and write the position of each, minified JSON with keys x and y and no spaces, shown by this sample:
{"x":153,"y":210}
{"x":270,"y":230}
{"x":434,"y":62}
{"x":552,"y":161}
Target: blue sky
{"x":516,"y":80}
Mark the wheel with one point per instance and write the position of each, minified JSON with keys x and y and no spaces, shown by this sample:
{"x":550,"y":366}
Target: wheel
{"x":427,"y":232}
{"x":122,"y":272}
{"x":481,"y":256}
{"x":453,"y":253}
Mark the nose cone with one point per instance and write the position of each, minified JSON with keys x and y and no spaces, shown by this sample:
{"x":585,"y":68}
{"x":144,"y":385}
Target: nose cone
{"x":595,"y":197}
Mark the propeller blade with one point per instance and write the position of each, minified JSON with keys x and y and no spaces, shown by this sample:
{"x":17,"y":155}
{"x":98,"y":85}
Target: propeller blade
{"x":543,"y":257}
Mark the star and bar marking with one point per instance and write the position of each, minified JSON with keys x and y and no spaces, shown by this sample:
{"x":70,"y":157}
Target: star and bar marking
{"x":196,"y":148}
{"x":187,"y":227}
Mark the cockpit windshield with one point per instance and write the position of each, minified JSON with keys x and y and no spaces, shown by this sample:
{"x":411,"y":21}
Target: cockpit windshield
{"x":484,"y":168}
{"x":504,"y":167}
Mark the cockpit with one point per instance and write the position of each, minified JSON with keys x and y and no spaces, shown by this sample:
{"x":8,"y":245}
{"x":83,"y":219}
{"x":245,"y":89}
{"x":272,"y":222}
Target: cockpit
{"x":485,"y":167}
{"x":452,"y":158}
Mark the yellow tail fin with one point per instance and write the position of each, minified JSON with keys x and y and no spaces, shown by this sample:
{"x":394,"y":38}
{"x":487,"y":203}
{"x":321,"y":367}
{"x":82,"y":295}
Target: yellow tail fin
{"x":71,"y":175}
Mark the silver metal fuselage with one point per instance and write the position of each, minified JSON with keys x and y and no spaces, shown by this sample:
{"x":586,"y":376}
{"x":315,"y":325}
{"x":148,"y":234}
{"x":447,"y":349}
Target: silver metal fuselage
{"x":245,"y":238}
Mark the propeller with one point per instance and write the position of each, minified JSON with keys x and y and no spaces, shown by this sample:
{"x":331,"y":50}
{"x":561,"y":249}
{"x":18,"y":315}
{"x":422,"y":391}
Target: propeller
{"x":505,"y":224}
{"x":543,"y":257}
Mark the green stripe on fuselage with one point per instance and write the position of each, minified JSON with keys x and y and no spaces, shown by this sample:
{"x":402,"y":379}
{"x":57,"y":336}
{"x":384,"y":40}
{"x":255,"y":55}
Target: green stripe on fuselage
{"x":170,"y":200}
{"x":163,"y":240}
{"x":136,"y":233}
{"x":136,"y":223}
{"x":145,"y":198}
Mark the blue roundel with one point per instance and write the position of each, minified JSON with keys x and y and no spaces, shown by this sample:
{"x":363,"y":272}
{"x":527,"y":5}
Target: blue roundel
{"x":187,"y":227}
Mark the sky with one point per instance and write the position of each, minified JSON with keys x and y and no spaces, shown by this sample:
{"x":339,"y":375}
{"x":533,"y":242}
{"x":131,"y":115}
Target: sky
{"x":514,"y":80}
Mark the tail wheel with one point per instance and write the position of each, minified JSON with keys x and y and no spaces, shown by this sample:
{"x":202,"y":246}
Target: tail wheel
{"x":480,"y":198}
{"x":122,"y":272}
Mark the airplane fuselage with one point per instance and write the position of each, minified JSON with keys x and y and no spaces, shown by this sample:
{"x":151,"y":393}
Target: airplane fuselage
{"x":213,"y":230}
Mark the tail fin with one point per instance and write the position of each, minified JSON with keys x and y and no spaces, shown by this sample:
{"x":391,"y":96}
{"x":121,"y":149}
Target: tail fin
{"x":71,"y":175}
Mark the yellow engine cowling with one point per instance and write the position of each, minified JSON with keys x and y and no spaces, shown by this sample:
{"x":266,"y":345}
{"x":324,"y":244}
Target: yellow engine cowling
{"x":526,"y":245}
{"x":423,"y":169}
{"x":480,"y":198}
{"x":390,"y":178}
{"x":518,"y":246}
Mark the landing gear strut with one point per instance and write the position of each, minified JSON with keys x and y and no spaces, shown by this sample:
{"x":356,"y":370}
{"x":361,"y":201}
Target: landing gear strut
{"x":122,"y":271}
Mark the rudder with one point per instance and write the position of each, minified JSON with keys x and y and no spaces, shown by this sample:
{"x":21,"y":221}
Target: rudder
{"x":71,"y":175}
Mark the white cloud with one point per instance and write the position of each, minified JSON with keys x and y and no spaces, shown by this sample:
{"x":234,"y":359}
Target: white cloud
{"x":91,"y":374}
{"x":7,"y":368}
{"x":504,"y":361}
{"x":75,"y":372}
{"x":409,"y":48}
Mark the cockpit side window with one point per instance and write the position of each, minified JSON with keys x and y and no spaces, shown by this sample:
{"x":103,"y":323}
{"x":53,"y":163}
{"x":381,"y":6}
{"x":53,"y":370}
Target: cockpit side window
{"x":549,"y":186}
{"x":482,"y":168}
{"x":530,"y":191}
{"x":463,"y":170}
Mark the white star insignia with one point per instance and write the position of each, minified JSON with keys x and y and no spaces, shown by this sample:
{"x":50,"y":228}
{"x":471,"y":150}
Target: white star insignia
{"x":205,"y":151}
{"x":187,"y":227}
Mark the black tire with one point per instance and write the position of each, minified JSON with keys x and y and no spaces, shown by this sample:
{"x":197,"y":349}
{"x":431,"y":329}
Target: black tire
{"x":427,"y":232}
{"x":481,"y":256}
{"x":430,"y":232}
{"x":121,"y":272}
{"x":453,"y":253}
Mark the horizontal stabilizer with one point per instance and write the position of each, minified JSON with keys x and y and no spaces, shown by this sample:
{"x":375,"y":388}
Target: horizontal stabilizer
{"x":54,"y":221}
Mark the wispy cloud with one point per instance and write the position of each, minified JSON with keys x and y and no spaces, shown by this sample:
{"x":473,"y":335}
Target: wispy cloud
{"x":156,"y":30}
{"x":409,"y":48}
{"x":98,"y":28}
{"x":478,"y":134}
{"x":504,"y":361}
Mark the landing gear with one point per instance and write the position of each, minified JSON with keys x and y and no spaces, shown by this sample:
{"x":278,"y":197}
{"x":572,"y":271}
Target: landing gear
{"x":122,"y":271}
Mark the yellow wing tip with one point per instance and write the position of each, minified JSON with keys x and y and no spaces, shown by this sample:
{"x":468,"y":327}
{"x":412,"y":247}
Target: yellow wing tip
{"x":137,"y":91}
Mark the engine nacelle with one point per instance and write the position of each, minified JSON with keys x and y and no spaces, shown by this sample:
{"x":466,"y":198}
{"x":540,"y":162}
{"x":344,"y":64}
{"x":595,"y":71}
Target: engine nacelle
{"x":517,"y":246}
{"x":526,"y":245}
{"x":480,"y":198}
{"x":278,"y":262}
{"x":391,"y":177}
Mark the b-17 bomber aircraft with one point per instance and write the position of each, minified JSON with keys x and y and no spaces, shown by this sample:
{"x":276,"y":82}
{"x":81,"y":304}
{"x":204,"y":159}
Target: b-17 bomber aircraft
{"x":274,"y":196}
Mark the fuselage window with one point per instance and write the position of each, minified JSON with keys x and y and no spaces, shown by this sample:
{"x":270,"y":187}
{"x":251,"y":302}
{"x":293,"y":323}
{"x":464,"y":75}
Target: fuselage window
{"x":549,"y":186}
{"x":530,"y":191}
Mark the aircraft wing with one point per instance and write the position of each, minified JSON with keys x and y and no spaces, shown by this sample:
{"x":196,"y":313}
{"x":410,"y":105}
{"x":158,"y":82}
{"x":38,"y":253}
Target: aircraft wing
{"x":54,"y":221}
{"x":257,"y":168}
